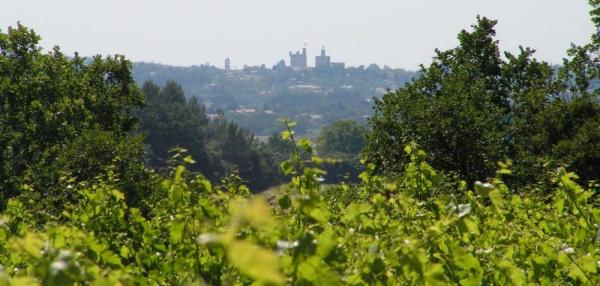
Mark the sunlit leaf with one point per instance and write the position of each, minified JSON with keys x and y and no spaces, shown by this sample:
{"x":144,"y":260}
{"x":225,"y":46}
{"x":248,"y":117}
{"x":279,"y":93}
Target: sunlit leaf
{"x":314,"y":270}
{"x":176,"y":230}
{"x":256,"y":262}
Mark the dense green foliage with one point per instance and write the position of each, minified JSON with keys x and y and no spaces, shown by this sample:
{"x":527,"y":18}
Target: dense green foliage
{"x":256,"y":97}
{"x":63,"y":120}
{"x":343,"y":138}
{"x":221,"y":147}
{"x":381,"y":231}
{"x":81,"y":207}
{"x":342,"y":141}
{"x":471,"y":108}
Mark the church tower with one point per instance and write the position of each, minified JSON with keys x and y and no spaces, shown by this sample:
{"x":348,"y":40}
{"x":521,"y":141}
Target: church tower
{"x":227,"y":64}
{"x":322,"y":61}
{"x":298,"y":60}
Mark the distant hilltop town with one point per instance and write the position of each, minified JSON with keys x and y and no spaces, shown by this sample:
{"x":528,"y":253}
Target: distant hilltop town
{"x":299,"y":61}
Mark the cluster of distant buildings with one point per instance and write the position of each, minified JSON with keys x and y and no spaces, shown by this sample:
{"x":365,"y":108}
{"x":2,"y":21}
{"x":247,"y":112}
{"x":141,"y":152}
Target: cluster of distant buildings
{"x":299,"y":61}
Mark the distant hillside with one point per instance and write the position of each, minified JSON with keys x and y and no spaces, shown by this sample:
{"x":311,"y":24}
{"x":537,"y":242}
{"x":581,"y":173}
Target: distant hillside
{"x":257,"y":96}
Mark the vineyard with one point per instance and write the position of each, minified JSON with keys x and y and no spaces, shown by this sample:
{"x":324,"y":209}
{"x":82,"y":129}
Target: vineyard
{"x":403,"y":230}
{"x":483,"y":170}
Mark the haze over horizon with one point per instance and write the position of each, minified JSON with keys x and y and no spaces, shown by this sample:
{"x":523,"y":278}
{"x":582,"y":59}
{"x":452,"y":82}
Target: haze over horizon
{"x":401,"y":34}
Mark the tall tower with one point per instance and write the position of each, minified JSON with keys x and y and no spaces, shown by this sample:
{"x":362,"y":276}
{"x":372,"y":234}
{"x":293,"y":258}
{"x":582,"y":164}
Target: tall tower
{"x":322,"y":61}
{"x":227,"y":64}
{"x":298,"y":60}
{"x":304,"y":57}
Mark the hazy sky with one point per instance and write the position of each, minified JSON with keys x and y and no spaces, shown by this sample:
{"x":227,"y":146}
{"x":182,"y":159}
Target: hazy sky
{"x":399,"y":33}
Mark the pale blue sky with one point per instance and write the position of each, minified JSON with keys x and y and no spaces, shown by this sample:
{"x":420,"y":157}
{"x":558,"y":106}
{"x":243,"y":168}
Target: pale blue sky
{"x":398,"y":33}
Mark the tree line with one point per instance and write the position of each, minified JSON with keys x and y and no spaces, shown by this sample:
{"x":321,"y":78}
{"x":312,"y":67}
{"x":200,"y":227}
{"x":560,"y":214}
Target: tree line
{"x":256,"y":97}
{"x":219,"y":146}
{"x":475,"y":106}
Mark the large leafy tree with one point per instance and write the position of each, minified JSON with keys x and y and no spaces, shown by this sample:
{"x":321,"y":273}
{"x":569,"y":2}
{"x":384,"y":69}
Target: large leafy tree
{"x":344,"y":138}
{"x":169,"y":120}
{"x":472,"y":108}
{"x":342,"y":141}
{"x":50,"y":104}
{"x":219,"y":147}
{"x":239,"y":151}
{"x":580,"y":112}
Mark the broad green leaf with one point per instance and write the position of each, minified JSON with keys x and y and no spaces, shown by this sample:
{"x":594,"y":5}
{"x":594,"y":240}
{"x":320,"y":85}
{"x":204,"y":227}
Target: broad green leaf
{"x":576,"y":273}
{"x":125,"y":251}
{"x":32,"y":244}
{"x":176,"y":230}
{"x":467,"y":261}
{"x":559,"y":205}
{"x":434,"y":275}
{"x":22,"y":281}
{"x":188,"y":159}
{"x":516,"y":275}
{"x":354,"y":210}
{"x":255,"y":262}
{"x":95,"y":246}
{"x":287,"y":168}
{"x":179,"y":173}
{"x":471,"y":280}
{"x":111,"y":258}
{"x":496,"y":199}
{"x":305,"y":145}
{"x":326,"y":243}
{"x":319,"y":214}
{"x":257,"y":212}
{"x":589,"y":264}
{"x":205,"y":183}
{"x":314,"y":270}
{"x":468,"y":226}
{"x":364,"y":176}
{"x":118,"y":195}
{"x":285,"y":135}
